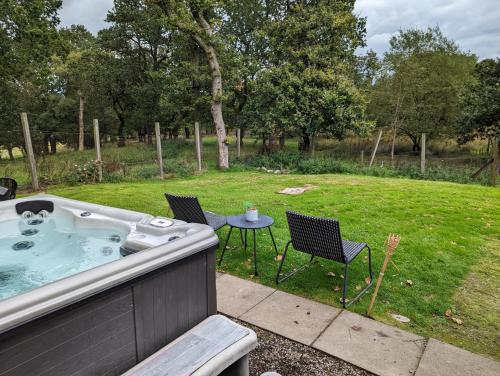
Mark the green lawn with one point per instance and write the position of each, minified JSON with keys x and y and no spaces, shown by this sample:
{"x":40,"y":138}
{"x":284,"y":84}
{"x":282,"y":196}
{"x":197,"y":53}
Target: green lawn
{"x":449,"y":248}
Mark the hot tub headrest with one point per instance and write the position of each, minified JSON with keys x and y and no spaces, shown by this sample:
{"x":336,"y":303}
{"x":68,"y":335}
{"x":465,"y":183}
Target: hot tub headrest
{"x":34,"y":206}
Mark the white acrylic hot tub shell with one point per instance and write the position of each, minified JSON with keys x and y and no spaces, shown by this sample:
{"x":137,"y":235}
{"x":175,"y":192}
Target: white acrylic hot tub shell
{"x":27,"y":306}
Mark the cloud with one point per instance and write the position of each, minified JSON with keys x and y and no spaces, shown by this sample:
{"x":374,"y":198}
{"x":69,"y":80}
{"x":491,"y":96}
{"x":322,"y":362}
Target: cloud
{"x":90,"y":13}
{"x":473,"y":24}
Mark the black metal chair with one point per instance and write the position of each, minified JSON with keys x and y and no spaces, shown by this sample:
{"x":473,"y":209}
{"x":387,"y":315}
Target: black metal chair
{"x":321,"y":237}
{"x":188,"y":209}
{"x":10,"y":188}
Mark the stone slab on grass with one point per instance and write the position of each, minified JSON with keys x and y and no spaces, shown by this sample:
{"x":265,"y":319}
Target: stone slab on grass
{"x":291,"y":316}
{"x":442,"y":359}
{"x":235,"y":296}
{"x":378,"y":348}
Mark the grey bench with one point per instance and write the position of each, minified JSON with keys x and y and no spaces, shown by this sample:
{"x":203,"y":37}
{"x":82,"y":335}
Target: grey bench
{"x":216,"y":346}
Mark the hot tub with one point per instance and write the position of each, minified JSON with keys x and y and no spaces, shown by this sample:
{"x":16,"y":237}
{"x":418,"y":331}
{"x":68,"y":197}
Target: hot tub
{"x":92,"y":290}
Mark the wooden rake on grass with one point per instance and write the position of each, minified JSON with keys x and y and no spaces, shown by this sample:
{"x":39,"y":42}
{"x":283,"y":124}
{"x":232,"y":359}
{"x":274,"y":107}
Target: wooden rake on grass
{"x":392,"y":244}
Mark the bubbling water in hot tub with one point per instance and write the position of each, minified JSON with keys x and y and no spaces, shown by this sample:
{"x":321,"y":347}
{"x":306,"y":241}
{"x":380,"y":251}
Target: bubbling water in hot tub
{"x":40,"y":248}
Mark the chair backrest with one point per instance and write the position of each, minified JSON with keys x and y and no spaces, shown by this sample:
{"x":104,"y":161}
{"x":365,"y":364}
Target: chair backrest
{"x":186,"y":208}
{"x":316,"y":236}
{"x":11,"y":185}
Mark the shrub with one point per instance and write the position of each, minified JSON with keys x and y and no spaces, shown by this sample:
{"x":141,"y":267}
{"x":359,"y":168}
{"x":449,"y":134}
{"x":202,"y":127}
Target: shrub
{"x":178,"y":167}
{"x":84,"y":173}
{"x":147,"y":172}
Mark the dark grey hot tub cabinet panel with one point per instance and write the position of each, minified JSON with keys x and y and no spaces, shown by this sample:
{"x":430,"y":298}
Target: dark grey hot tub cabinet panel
{"x":109,"y":333}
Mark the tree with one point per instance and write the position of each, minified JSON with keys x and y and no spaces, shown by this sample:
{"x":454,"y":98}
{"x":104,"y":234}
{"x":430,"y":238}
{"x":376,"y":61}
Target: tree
{"x":246,"y":51}
{"x":480,"y":102}
{"x":418,"y":90}
{"x":196,"y":19}
{"x":308,"y":87}
{"x":73,"y":66}
{"x":28,"y":38}
{"x":139,"y":36}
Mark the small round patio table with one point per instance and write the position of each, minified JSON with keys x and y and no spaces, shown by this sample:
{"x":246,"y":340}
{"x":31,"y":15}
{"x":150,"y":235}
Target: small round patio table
{"x":239,"y":221}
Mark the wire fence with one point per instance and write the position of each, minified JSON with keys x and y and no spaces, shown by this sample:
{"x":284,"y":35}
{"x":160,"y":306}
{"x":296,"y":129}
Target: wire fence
{"x":183,"y":157}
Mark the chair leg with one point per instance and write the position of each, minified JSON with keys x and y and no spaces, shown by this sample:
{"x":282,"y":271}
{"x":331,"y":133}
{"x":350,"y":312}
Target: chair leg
{"x":278,"y":279}
{"x":281,"y":263}
{"x":344,"y":290}
{"x":225,"y":245}
{"x":362,"y":292}
{"x":370,"y":263}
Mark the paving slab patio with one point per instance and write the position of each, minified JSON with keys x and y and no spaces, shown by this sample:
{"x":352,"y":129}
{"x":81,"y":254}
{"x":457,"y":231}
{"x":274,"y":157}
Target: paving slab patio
{"x":442,"y":359}
{"x":369,"y":344}
{"x":291,"y":316}
{"x":235,"y":296}
{"x":379,"y":348}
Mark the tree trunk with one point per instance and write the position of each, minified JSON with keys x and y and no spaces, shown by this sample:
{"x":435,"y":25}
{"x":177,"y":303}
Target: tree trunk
{"x":121,"y":127}
{"x":305,"y":142}
{"x":187,"y":132}
{"x":81,"y":125}
{"x":46,"y":140}
{"x":9,"y":151}
{"x":273,"y":143}
{"x":394,"y":132}
{"x":416,"y":146}
{"x":53,"y":145}
{"x":282,"y":140}
{"x":149,"y":135}
{"x":216,"y":110}
{"x":264,"y":149}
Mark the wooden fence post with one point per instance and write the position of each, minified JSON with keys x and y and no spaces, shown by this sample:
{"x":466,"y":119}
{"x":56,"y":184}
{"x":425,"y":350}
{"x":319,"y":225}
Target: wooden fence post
{"x":362,"y":157}
{"x":29,"y":151}
{"x":238,"y":142}
{"x":97,"y":142}
{"x":374,"y":152}
{"x":422,"y":155}
{"x":198,"y":143}
{"x":158,"y":149}
{"x":496,"y":162}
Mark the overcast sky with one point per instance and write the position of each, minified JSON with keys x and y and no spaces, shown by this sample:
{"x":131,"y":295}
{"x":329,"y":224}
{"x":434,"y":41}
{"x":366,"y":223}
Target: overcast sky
{"x":473,"y":24}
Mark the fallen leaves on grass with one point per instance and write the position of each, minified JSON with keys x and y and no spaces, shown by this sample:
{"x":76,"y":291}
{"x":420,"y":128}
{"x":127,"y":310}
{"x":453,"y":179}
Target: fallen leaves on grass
{"x":368,"y":280}
{"x":358,"y":287}
{"x":330,"y":274}
{"x":447,"y":313}
{"x":278,"y":258}
{"x":336,"y":288}
{"x":409,"y":282}
{"x":458,"y":321}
